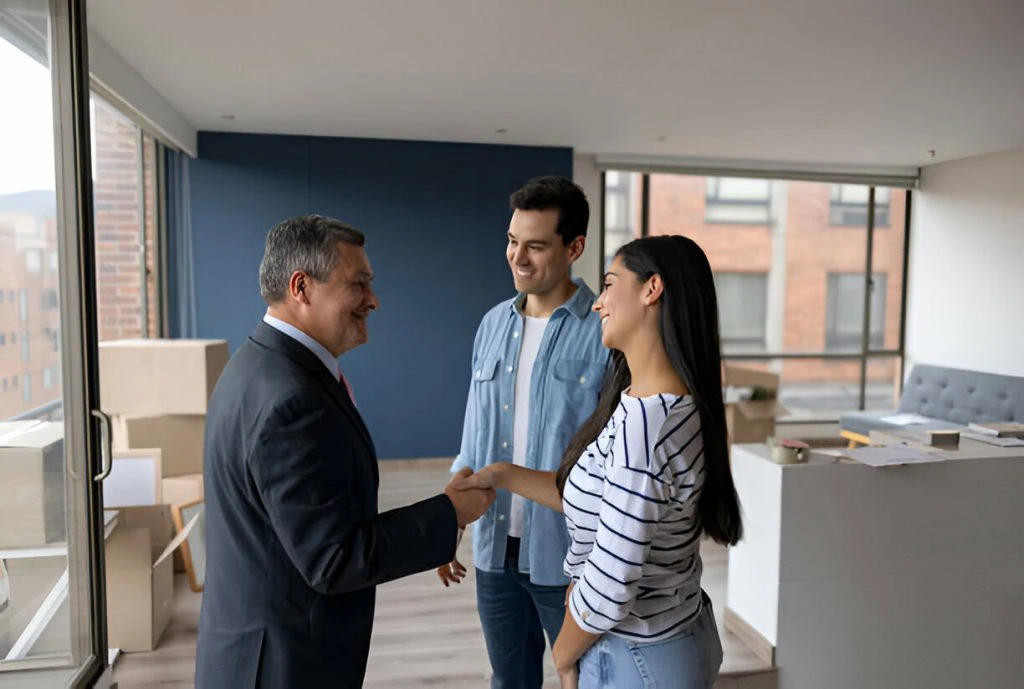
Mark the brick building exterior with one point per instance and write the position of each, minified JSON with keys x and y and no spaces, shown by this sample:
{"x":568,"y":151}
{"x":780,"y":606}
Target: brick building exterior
{"x":30,"y":374}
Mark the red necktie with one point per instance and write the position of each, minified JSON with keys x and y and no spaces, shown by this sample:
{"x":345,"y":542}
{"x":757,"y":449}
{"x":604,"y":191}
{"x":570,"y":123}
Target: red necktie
{"x":344,"y":381}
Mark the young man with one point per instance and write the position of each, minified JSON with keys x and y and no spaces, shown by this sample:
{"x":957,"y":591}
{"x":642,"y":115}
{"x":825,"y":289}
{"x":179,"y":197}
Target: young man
{"x":538,"y":364}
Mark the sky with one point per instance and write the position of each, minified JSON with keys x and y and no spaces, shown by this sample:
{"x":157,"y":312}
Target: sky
{"x":26,"y":123}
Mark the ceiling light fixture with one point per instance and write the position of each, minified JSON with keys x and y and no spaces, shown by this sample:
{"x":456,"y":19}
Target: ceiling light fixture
{"x":227,"y":117}
{"x":501,"y":131}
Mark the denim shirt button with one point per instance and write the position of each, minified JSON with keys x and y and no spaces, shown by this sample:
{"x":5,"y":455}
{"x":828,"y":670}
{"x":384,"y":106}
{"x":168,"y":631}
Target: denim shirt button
{"x":478,"y":374}
{"x":516,"y":334}
{"x":504,"y":446}
{"x":501,"y":517}
{"x":509,"y":369}
{"x":583,"y":379}
{"x":504,"y":407}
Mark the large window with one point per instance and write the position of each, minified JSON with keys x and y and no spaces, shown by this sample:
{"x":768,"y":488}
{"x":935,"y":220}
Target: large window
{"x":621,"y":211}
{"x":742,"y":310}
{"x":124,"y":190}
{"x":790,"y":284}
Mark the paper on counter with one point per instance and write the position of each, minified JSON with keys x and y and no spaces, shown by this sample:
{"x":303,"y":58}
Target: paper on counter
{"x":906,"y":419}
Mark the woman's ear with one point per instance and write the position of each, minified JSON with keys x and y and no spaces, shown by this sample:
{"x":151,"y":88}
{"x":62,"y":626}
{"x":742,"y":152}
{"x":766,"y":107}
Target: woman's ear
{"x":653,"y":290}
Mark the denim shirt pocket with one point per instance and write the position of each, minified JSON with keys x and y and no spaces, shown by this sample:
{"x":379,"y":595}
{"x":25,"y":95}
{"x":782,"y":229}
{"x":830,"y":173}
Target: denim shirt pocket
{"x":577,"y":381}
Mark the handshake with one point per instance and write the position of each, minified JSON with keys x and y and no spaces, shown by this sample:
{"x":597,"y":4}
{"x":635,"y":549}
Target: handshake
{"x":471,"y":494}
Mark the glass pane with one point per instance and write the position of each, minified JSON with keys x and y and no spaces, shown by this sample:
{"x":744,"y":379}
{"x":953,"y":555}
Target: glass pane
{"x":883,"y":383}
{"x":151,"y":308}
{"x":621,"y":211}
{"x":117,"y":194}
{"x":786,"y":236}
{"x":44,"y":616}
{"x":887,"y":260}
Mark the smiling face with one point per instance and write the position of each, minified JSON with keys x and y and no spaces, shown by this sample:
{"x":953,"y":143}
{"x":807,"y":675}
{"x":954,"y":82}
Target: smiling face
{"x":334,"y":311}
{"x":625,"y":306}
{"x":536,"y":254}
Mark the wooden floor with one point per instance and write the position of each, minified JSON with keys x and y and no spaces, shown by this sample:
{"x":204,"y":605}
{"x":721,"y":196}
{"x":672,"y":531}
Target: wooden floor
{"x":425,"y":635}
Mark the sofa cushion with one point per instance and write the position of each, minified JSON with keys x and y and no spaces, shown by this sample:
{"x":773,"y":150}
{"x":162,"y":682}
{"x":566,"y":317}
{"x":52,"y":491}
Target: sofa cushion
{"x":962,"y":396}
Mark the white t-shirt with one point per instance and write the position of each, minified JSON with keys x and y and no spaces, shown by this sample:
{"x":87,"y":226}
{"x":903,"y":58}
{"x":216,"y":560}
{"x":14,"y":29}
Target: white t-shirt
{"x":533,"y":333}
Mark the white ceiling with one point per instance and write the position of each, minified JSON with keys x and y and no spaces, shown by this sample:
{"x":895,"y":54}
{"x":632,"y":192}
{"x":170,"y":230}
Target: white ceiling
{"x":867,"y":82}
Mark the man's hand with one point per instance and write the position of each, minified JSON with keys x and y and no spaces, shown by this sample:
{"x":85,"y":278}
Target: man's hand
{"x":470,"y":503}
{"x":452,"y":573}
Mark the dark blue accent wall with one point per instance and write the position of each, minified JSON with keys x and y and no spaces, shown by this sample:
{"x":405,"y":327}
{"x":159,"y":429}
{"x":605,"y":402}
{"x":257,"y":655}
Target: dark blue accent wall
{"x":435,"y":216}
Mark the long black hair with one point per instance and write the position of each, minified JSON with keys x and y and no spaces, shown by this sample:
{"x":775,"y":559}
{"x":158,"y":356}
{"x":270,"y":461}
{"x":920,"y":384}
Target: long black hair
{"x":689,"y":333}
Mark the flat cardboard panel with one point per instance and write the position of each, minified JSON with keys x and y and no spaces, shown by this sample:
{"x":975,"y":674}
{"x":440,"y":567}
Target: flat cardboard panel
{"x":130,"y":590}
{"x":179,"y":490}
{"x":179,"y":437}
{"x":134,"y":479}
{"x":31,"y":484}
{"x":155,"y":376}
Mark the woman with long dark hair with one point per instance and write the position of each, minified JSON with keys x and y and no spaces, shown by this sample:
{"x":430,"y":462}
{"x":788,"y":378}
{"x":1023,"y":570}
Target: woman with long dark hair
{"x":643,"y":479}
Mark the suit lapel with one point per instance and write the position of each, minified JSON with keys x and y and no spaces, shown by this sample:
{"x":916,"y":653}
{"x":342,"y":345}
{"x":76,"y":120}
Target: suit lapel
{"x":272,"y":338}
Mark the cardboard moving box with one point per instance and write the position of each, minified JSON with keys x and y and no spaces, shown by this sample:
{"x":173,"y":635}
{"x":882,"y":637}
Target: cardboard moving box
{"x":179,"y":437}
{"x":752,"y":421}
{"x":148,"y":377}
{"x":31,"y":484}
{"x":140,"y":580}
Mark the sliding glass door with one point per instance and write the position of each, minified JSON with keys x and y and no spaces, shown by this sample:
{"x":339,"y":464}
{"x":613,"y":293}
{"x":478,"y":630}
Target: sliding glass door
{"x":52,"y":443}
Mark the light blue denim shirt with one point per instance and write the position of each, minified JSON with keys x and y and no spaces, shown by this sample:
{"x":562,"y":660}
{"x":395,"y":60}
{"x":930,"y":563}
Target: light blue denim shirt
{"x":564,"y":388}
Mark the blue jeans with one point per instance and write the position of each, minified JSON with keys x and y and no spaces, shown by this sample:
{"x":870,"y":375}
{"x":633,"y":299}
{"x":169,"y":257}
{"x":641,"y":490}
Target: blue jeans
{"x":515,"y":614}
{"x":688,"y":660}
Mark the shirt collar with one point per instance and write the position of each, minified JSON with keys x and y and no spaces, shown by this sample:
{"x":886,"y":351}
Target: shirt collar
{"x":579,"y":304}
{"x":312,"y":345}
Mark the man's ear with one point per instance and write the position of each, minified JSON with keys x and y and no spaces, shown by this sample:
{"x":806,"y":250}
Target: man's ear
{"x":576,"y":248}
{"x":298,"y":286}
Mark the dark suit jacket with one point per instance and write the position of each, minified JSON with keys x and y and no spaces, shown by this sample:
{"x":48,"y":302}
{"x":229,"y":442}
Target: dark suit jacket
{"x":295,"y":544}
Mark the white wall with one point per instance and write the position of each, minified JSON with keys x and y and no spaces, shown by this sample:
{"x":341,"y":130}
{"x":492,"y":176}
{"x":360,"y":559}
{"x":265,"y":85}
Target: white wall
{"x":966,"y":273}
{"x":586,"y":174}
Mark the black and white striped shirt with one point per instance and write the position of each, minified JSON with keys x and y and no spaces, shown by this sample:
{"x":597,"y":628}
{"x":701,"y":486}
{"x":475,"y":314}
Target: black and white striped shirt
{"x":631,"y":507}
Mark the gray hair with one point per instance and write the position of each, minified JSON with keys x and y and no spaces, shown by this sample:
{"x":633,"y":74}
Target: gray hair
{"x":306,"y":242}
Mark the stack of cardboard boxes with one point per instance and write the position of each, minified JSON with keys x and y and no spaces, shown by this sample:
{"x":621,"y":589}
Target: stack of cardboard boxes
{"x":156,"y":392}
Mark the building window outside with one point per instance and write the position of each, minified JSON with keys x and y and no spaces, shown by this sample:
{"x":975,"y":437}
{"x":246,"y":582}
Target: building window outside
{"x":738,"y":201}
{"x":848,"y":205}
{"x":844,"y":321}
{"x":742,"y":309}
{"x":34,"y":260}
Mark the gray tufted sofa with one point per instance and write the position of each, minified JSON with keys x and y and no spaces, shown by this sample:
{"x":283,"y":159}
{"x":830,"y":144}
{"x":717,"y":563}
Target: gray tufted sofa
{"x":951,"y":398}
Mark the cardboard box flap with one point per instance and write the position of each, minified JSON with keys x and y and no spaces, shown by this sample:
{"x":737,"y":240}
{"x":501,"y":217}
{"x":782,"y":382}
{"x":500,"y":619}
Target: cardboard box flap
{"x":740,"y":377}
{"x":756,"y":410}
{"x":177,"y":541}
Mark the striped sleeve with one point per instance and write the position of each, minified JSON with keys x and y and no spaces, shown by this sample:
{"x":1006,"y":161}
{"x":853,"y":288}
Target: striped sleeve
{"x":634,"y":499}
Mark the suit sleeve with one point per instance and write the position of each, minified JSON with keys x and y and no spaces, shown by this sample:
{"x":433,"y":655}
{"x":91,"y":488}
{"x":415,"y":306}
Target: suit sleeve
{"x":315,"y":494}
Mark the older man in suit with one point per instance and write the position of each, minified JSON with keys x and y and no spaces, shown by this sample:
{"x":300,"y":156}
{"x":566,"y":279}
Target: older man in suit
{"x":296,"y":545}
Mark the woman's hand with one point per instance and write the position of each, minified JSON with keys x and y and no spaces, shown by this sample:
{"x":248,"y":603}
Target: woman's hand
{"x":570,"y":678}
{"x":490,"y":477}
{"x":452,"y":573}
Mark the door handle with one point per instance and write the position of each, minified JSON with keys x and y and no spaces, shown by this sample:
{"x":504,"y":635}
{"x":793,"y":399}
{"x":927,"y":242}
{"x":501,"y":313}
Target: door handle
{"x":106,"y":449}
